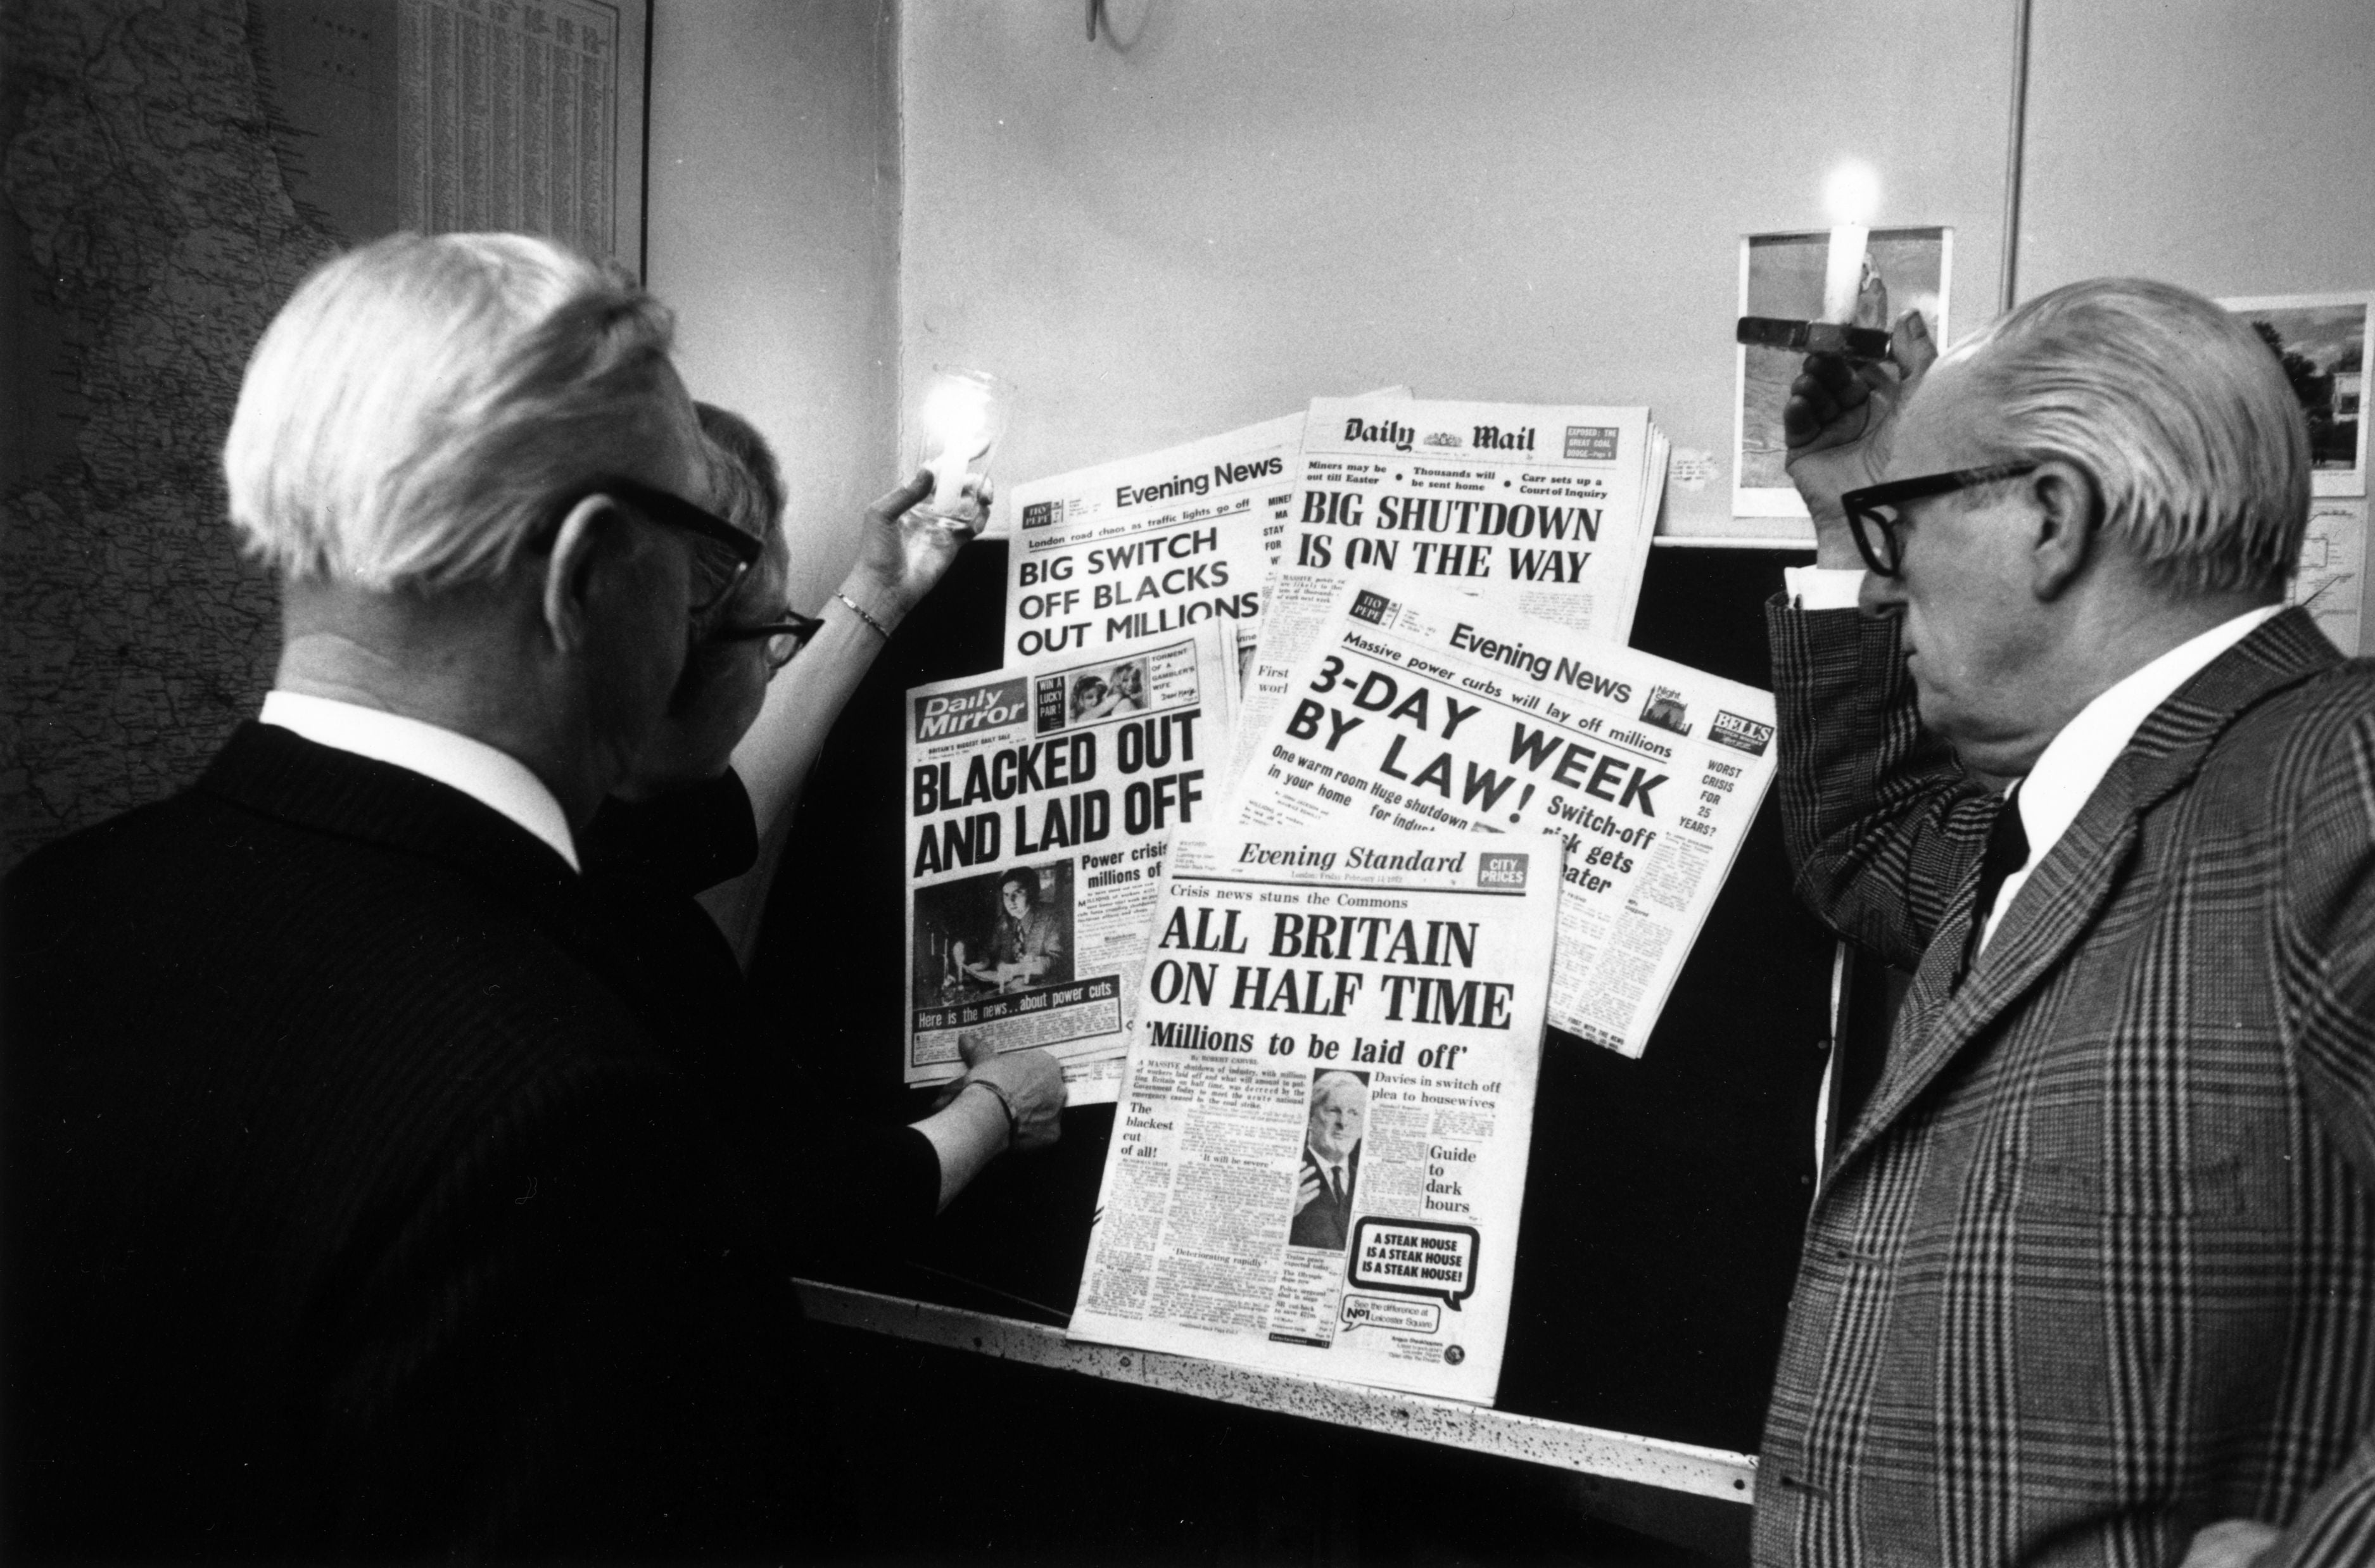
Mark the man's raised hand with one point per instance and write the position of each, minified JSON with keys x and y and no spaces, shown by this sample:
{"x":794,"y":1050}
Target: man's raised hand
{"x":1840,"y":419}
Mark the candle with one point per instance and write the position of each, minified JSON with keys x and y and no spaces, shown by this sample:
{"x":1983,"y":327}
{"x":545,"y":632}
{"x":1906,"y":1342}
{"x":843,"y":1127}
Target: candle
{"x":1851,"y":194}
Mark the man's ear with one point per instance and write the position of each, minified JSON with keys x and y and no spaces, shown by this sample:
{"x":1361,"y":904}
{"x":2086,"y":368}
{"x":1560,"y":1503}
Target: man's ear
{"x":2068,"y":520}
{"x":589,"y":536}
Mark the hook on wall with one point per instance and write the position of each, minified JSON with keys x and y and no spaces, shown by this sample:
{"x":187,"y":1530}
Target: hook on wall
{"x":1096,"y":14}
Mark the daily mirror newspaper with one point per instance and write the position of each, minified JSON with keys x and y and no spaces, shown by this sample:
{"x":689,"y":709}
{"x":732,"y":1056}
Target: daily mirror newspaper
{"x":1150,"y":544}
{"x":1535,"y":508}
{"x":1415,"y":708}
{"x":1319,"y":1152}
{"x":1041,"y":803}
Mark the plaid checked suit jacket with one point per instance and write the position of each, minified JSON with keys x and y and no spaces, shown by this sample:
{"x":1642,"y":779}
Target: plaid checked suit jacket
{"x":2096,"y":1267}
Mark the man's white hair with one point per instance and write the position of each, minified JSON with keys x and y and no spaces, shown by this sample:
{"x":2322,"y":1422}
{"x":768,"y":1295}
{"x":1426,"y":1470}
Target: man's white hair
{"x":1327,"y":1078}
{"x":422,"y":404}
{"x":2176,"y":409}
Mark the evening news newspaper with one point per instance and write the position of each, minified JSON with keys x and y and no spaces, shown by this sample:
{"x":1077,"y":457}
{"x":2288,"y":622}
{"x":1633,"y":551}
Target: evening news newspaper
{"x":1416,"y":710}
{"x":1540,"y":509}
{"x":1319,"y":1150}
{"x":1041,"y":800}
{"x":1150,"y":544}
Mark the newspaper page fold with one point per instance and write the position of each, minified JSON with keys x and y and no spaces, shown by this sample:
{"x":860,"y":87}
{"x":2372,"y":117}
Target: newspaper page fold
{"x":1319,"y":1152}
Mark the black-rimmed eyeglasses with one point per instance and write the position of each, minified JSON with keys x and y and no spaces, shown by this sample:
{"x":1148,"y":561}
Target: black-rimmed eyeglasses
{"x":783,"y":638}
{"x":722,"y":554}
{"x":1872,"y":510}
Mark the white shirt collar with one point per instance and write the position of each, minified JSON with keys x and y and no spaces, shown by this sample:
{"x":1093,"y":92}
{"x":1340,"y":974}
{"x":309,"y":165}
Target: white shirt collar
{"x":492,"y":778}
{"x":2076,"y":759}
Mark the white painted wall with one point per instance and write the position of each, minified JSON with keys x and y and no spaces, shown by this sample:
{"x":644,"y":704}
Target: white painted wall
{"x":2223,"y":144}
{"x":1235,"y":205}
{"x":1238,"y":205}
{"x":773,"y":209}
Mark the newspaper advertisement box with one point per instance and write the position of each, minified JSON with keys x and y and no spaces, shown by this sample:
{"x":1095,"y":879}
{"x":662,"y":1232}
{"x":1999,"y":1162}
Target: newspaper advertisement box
{"x":1415,"y":709}
{"x":1040,"y":802}
{"x":1319,"y":1155}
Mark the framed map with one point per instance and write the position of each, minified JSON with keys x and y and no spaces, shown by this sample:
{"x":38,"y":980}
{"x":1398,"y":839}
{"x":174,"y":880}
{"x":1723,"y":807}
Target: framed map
{"x":169,"y":170}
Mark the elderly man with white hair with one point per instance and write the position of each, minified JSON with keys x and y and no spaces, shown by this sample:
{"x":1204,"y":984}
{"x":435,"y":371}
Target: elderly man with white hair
{"x":2091,"y":1277}
{"x":363,"y":1196}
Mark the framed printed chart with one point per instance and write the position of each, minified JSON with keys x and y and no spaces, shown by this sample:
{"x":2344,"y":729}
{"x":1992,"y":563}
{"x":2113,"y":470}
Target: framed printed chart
{"x":445,"y":115}
{"x":1781,"y":275}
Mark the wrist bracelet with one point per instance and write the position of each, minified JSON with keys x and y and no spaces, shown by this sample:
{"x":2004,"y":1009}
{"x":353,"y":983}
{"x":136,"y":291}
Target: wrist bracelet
{"x":860,"y":612}
{"x":1014,"y":1125}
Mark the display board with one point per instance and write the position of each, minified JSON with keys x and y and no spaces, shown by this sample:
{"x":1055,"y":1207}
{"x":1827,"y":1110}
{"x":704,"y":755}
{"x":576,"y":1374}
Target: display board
{"x":1665,"y":1195}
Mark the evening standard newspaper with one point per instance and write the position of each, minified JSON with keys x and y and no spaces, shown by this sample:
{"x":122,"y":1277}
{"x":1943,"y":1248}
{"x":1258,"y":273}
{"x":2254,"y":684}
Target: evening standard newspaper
{"x":1041,"y":801}
{"x":1320,"y":1152}
{"x":1411,"y":710}
{"x":1150,"y":544}
{"x":1536,"y":508}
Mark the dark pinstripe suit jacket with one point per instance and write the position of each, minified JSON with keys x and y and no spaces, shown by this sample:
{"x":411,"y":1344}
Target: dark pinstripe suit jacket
{"x":2095,"y":1266}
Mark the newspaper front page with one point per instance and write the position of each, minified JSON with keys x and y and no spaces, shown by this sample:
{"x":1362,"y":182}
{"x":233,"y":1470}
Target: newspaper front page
{"x":1150,"y":544}
{"x":1415,"y":709}
{"x":1041,"y":803}
{"x":1319,"y":1152}
{"x":1542,"y":509}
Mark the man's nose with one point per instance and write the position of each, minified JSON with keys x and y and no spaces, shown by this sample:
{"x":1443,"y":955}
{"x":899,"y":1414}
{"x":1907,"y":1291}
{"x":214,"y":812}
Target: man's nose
{"x":1879,"y":596}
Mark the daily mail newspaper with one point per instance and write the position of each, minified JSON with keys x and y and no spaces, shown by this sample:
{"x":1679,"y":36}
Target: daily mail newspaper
{"x":1319,"y":1154}
{"x":1542,"y":509}
{"x":1415,"y":709}
{"x":1041,"y":803}
{"x":1150,"y":544}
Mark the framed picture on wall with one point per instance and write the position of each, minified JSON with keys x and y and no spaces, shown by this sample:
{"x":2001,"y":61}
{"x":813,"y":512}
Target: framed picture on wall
{"x":2323,"y":342}
{"x":1781,"y":275}
{"x":460,"y":115}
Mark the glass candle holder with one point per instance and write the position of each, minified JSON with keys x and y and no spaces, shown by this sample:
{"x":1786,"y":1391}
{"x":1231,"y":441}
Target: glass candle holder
{"x":958,"y":426}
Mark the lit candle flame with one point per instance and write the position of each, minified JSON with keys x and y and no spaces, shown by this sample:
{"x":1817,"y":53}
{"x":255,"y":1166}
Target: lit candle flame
{"x":1852,"y":193}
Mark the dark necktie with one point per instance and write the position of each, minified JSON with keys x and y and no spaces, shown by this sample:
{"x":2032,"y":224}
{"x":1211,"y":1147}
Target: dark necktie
{"x":2007,"y":853}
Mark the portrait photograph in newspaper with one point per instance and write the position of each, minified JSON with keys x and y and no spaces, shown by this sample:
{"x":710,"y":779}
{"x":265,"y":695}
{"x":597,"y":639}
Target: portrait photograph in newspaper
{"x":1540,"y":509}
{"x":1149,"y":545}
{"x":1040,"y":802}
{"x":1413,"y":710}
{"x":1318,"y":1157}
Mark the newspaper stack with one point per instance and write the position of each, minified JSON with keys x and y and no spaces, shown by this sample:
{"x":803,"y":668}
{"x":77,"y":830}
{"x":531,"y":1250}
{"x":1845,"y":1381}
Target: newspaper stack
{"x":1041,"y":804}
{"x":1438,"y":804}
{"x":1320,"y":1149}
{"x":1545,"y":510}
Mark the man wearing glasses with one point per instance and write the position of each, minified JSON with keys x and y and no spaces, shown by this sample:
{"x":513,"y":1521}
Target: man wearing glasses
{"x":360,"y":1198}
{"x":2091,"y":1273}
